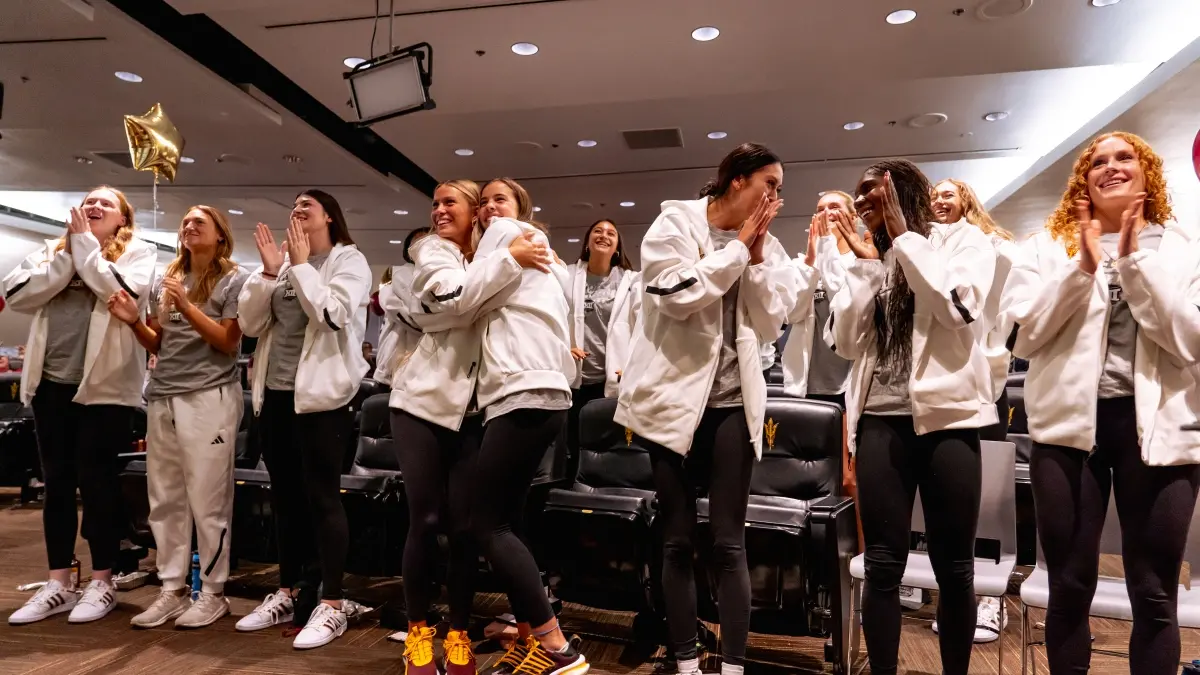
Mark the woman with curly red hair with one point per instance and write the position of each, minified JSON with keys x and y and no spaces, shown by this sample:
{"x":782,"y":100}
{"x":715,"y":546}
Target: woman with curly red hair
{"x":1103,"y":306}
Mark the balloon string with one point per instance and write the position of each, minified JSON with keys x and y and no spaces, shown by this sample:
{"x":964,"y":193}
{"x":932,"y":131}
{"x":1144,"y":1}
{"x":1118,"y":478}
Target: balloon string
{"x":155,"y":200}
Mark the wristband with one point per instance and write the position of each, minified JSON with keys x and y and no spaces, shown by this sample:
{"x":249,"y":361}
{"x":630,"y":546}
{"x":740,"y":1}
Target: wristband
{"x":270,"y":276}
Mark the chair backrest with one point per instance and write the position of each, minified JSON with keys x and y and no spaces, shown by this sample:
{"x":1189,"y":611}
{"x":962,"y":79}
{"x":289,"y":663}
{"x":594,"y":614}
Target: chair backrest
{"x":802,"y":450}
{"x":375,"y":447}
{"x":998,"y":498}
{"x":10,"y":387}
{"x":247,"y":450}
{"x":609,"y":455}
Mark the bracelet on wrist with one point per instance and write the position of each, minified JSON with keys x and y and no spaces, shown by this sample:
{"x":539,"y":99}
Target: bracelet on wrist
{"x":267,"y":275}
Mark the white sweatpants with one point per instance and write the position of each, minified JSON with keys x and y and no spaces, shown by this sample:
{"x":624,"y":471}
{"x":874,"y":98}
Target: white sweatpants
{"x":189,"y":475}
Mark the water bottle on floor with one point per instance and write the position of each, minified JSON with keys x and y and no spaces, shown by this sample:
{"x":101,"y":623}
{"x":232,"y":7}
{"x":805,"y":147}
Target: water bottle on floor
{"x":195,"y":575}
{"x":76,"y":568}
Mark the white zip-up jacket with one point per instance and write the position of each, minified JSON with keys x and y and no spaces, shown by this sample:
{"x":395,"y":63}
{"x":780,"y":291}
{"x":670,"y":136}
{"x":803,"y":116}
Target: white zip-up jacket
{"x":950,"y":382}
{"x":995,"y":345}
{"x":675,"y":353}
{"x":1060,"y":316}
{"x":436,"y":382}
{"x":114,"y":366}
{"x":626,"y":305}
{"x":399,"y":334}
{"x":797,"y":353}
{"x":335,"y":299}
{"x":524,"y":329}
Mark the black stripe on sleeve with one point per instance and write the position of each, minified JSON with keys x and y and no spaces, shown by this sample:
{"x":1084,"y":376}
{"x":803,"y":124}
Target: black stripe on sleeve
{"x":329,"y":321}
{"x":121,"y":280}
{"x":683,"y":285}
{"x":966,"y":316}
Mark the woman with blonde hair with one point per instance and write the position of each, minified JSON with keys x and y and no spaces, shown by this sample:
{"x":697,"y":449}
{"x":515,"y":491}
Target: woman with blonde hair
{"x":194,"y":407}
{"x":1103,"y":304}
{"x":435,"y":411}
{"x":83,"y":376}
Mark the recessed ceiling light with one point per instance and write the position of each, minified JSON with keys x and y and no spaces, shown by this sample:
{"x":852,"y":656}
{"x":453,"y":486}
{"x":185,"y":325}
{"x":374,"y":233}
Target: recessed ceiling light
{"x":927,"y":120}
{"x":83,"y":160}
{"x":996,"y":116}
{"x":186,"y":160}
{"x":705,"y":33}
{"x":235,"y":212}
{"x":853,"y":126}
{"x":353,"y":62}
{"x":395,"y":241}
{"x":573,"y":240}
{"x":537,"y":209}
{"x":587,"y":143}
{"x":717,"y":135}
{"x":901,"y":16}
{"x":464,"y":152}
{"x":627,"y":204}
{"x":400,"y":212}
{"x":128,"y":77}
{"x":525,"y":49}
{"x":1104,"y":3}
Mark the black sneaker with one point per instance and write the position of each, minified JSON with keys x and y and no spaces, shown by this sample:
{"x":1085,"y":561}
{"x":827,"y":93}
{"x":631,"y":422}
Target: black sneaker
{"x":543,"y":662}
{"x":516,"y":654}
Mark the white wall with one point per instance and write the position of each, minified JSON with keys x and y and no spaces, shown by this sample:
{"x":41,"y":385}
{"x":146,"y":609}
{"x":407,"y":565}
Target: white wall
{"x":14,"y":246}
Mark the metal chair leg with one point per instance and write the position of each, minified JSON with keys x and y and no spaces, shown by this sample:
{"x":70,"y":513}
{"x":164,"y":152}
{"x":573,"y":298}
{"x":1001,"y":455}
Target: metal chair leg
{"x":1024,"y":638}
{"x":855,"y":636}
{"x":1000,"y":637}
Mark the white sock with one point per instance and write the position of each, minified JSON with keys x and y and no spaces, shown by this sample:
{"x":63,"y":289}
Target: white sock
{"x":990,"y":601}
{"x":689,"y":666}
{"x":730,"y":669}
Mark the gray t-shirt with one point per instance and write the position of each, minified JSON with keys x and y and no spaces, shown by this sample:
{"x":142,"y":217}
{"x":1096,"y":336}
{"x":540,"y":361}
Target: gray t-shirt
{"x":186,"y":363}
{"x":827,"y":372}
{"x":68,"y":315}
{"x":727,"y":386}
{"x":599,"y":295}
{"x":1117,"y":379}
{"x":287,"y":333}
{"x":888,"y":392}
{"x":539,"y":399}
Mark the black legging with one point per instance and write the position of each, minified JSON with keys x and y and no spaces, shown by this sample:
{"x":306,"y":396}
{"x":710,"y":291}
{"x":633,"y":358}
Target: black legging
{"x":512,"y":448}
{"x":719,"y":464}
{"x":78,"y":446}
{"x":999,"y":430}
{"x":304,"y":458}
{"x":892,"y":462}
{"x":1154,"y":504}
{"x":437,"y":464}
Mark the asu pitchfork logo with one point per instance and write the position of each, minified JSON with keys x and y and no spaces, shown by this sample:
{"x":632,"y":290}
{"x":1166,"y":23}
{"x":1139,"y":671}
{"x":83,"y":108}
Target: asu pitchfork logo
{"x":628,"y":437}
{"x":769,"y":429}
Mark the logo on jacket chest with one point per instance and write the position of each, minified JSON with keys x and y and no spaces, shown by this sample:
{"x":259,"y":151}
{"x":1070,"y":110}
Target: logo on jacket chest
{"x":819,"y":295}
{"x":75,"y":283}
{"x":1115,"y":295}
{"x":288,"y":292}
{"x":175,"y":316}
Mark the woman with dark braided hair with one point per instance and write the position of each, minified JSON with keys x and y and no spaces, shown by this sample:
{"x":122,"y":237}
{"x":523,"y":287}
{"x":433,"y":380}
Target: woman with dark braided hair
{"x":913,"y":295}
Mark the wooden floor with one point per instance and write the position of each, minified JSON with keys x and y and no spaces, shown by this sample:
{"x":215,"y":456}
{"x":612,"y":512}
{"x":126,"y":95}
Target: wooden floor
{"x":109,"y":646}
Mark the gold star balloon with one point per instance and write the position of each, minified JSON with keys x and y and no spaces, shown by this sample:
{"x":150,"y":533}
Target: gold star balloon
{"x":154,"y":143}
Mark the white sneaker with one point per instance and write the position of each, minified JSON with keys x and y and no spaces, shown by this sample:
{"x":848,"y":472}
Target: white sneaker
{"x":275,"y":609}
{"x":205,"y":611}
{"x":324,"y":626}
{"x":987,"y":621}
{"x":99,"y":598}
{"x":167,"y":606}
{"x":51,"y":599}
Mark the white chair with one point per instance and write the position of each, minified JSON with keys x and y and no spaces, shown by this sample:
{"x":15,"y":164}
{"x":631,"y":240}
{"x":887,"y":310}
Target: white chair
{"x":1112,"y":597}
{"x":997,"y":521}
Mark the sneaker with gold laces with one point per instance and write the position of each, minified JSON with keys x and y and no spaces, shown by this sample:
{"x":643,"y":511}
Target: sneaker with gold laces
{"x":460,"y":658}
{"x":418,"y":652}
{"x":541,"y":661}
{"x":517,"y":651}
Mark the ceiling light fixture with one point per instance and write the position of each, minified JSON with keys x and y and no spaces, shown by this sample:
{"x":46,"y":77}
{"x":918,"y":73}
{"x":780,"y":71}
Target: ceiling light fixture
{"x":573,"y":240}
{"x":537,"y":209}
{"x":587,"y":143}
{"x":525,"y":49}
{"x":352,"y":61}
{"x":705,"y":34}
{"x":901,"y":16}
{"x":395,"y":241}
{"x":717,"y":135}
{"x":128,"y":77}
{"x":1104,"y":3}
{"x":391,"y":85}
{"x":83,"y":160}
{"x":235,"y":212}
{"x":464,"y":152}
{"x":853,"y":126}
{"x":400,"y":212}
{"x":186,"y":160}
{"x":996,"y":116}
{"x":627,"y":204}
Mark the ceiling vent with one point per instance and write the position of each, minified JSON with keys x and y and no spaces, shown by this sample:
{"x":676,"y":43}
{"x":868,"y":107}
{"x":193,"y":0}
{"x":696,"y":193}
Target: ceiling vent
{"x":1002,"y":9}
{"x":121,"y":158}
{"x":653,"y":139}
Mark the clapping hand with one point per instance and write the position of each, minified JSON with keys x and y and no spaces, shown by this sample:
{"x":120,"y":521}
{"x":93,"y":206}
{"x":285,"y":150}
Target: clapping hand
{"x":271,"y":255}
{"x":174,"y":294}
{"x":862,"y":248}
{"x":297,"y":243}
{"x":893,"y":215}
{"x":1131,"y":225}
{"x":122,"y":306}
{"x":1090,"y":252}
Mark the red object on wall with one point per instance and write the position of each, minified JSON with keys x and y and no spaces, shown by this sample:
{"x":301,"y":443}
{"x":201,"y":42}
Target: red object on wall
{"x":1196,"y":154}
